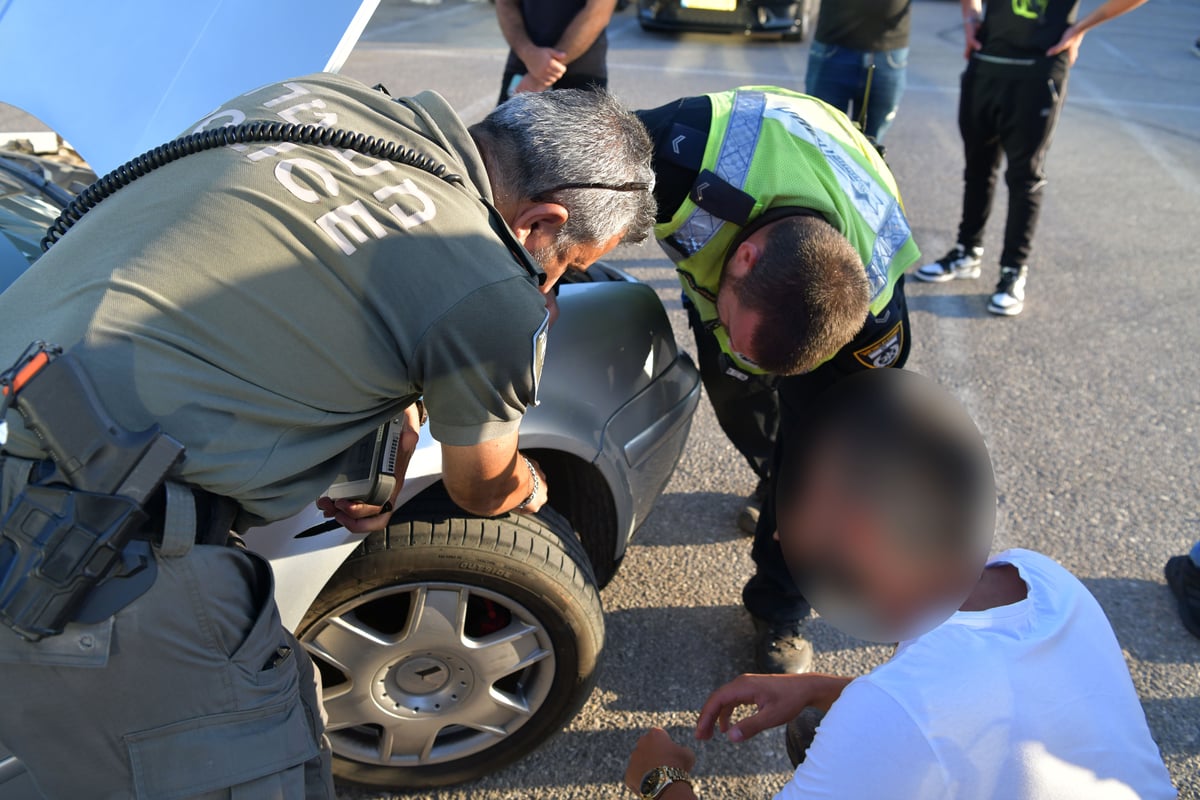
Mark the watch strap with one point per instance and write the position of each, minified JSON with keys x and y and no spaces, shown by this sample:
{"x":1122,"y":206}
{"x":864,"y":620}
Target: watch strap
{"x":661,"y":778}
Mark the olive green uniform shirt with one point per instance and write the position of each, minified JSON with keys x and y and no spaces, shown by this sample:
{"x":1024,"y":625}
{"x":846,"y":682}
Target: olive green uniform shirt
{"x":269,"y":305}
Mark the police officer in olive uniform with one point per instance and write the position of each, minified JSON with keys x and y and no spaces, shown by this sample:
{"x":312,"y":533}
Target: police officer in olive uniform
{"x":790,"y":240}
{"x":268,"y":305}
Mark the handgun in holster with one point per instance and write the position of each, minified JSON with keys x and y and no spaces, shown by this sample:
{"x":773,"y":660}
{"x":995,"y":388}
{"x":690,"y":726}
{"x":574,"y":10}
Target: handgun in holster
{"x":66,"y":531}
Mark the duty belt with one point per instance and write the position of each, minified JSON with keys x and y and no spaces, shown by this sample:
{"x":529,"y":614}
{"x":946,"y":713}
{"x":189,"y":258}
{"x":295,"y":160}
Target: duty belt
{"x":76,"y":537}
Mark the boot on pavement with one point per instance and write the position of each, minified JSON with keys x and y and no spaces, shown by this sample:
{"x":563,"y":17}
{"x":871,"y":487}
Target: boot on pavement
{"x":781,"y":649}
{"x":747,"y":520}
{"x":800,"y":732}
{"x":1183,"y":577}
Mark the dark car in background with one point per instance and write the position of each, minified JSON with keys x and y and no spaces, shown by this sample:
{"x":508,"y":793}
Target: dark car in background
{"x":793,"y":20}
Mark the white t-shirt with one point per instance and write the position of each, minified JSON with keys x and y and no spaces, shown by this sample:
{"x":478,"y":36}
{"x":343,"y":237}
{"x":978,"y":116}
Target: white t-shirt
{"x":1028,"y":701}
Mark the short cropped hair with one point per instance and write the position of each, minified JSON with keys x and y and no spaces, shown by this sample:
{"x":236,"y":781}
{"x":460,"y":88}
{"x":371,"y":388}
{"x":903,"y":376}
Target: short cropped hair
{"x":907,"y":450}
{"x":810,"y":289}
{"x":538,"y":141}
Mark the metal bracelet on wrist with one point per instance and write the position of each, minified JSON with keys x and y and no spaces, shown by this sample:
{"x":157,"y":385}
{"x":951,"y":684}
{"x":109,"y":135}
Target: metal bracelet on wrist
{"x":537,"y":485}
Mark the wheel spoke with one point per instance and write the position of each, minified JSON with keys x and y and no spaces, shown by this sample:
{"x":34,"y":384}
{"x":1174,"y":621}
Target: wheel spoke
{"x":508,"y":651}
{"x":410,"y":738}
{"x":349,"y":645}
{"x":492,"y":711}
{"x":438,"y":617}
{"x":350,"y":707}
{"x":511,"y":702}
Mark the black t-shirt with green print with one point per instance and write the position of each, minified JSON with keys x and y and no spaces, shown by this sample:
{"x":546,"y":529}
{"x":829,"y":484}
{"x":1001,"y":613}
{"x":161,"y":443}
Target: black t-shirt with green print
{"x":1025,"y":28}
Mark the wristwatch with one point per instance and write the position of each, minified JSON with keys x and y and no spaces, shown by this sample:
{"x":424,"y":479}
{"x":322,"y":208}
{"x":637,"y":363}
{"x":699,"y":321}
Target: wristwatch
{"x":659,"y":778}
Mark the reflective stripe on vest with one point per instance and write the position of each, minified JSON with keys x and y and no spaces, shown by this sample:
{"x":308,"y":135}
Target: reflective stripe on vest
{"x":733,"y":166}
{"x":879,"y":209}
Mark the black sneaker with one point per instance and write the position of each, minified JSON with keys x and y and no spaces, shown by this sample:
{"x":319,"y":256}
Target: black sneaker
{"x":961,"y":262}
{"x":1196,"y":48}
{"x":747,"y":520}
{"x":781,"y":649}
{"x":1183,"y":576}
{"x":1009,"y":298}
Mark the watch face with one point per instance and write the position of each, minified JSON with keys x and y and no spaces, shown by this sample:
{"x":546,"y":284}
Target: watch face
{"x":653,"y":782}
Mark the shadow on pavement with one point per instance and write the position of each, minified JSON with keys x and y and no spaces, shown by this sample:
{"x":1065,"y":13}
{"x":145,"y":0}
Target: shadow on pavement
{"x":681,"y":518}
{"x":595,"y":757}
{"x":970,"y":305}
{"x":1144,"y":616}
{"x":1174,"y":721}
{"x":709,"y":646}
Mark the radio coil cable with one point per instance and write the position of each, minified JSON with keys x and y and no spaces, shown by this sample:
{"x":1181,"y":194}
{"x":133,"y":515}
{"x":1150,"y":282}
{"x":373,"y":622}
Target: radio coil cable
{"x":260,"y":132}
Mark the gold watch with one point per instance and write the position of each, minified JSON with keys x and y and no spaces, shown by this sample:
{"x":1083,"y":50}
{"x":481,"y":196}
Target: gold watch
{"x":658,"y":779}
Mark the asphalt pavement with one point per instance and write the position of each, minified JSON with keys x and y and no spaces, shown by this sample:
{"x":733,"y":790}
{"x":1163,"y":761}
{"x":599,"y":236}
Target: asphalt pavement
{"x":1090,"y":400}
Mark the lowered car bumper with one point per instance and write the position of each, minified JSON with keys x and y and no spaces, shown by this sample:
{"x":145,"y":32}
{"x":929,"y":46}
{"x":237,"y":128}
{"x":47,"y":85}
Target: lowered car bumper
{"x":744,"y":17}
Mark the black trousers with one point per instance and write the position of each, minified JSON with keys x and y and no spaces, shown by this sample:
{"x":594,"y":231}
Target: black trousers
{"x":760,"y":415}
{"x":1008,"y":110}
{"x":568,"y":81}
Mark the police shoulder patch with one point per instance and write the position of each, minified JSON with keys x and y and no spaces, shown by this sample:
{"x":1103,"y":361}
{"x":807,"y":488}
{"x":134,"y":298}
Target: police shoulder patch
{"x":883,"y":352}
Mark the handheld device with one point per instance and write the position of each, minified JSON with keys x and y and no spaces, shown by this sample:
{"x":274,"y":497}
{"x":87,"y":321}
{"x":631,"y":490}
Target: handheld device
{"x":368,"y":469}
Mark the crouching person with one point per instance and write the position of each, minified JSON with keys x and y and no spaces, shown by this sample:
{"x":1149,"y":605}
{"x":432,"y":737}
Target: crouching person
{"x":268,"y":304}
{"x":1008,"y":681}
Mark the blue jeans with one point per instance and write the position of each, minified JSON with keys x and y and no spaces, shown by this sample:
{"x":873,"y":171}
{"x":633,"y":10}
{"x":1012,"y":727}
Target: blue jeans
{"x":838,"y":75}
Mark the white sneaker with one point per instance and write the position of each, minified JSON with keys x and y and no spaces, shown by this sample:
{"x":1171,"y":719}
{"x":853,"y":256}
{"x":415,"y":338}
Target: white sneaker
{"x":960,"y":262}
{"x":1009,"y":299}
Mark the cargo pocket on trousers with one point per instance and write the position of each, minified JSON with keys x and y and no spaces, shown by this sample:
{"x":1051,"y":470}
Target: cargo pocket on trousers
{"x":225,"y":752}
{"x":264,"y":661}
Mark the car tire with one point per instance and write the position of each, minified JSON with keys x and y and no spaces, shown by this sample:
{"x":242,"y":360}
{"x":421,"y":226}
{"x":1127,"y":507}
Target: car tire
{"x":382,"y":610}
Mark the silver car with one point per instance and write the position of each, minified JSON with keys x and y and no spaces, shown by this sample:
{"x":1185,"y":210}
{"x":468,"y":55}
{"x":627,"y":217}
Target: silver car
{"x":449,"y":645}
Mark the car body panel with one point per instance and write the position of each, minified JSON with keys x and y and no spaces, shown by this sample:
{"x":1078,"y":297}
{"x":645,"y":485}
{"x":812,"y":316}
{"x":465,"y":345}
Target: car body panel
{"x":746,"y":16}
{"x":615,"y":393}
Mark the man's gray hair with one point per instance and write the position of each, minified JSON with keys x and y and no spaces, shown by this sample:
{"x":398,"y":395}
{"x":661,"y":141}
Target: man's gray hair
{"x":539,"y":142}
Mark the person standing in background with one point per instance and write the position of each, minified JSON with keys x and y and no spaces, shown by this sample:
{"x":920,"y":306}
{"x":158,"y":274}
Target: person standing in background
{"x":554,"y":44}
{"x":1018,"y":59}
{"x":852,"y":37}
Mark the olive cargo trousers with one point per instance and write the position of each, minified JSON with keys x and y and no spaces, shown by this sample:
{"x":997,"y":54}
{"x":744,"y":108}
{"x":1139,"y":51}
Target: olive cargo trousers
{"x":194,"y":690}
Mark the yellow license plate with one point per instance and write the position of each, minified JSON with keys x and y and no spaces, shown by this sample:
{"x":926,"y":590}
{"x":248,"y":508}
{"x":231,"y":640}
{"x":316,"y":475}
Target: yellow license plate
{"x":710,"y":5}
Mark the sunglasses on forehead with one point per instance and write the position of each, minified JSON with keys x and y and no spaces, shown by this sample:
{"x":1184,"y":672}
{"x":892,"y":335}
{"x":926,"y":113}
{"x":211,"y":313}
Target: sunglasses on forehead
{"x":632,"y":186}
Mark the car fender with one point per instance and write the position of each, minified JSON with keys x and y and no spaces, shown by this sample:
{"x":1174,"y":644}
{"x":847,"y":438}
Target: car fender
{"x":608,"y":345}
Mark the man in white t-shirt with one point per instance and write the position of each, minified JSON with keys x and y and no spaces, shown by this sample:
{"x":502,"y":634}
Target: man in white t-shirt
{"x":1008,"y":681}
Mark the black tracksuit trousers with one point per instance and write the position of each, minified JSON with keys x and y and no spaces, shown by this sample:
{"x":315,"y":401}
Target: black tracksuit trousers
{"x":1009,"y":109}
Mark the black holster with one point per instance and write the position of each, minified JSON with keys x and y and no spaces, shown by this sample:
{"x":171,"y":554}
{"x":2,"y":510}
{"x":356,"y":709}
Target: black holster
{"x":57,"y":544}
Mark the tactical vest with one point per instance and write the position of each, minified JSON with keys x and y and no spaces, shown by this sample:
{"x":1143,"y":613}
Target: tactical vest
{"x":769,"y":148}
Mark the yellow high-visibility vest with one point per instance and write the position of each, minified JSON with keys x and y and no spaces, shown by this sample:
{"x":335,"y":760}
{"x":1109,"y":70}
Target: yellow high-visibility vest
{"x":786,"y":149}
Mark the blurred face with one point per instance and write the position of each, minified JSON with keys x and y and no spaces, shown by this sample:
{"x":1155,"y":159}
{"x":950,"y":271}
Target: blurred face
{"x":854,"y":568}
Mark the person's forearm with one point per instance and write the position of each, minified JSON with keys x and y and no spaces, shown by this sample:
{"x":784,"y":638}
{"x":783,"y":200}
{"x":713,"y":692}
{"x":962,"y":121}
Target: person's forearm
{"x":1110,"y":10}
{"x":512,"y":26}
{"x":491,"y":478}
{"x":972,"y":9}
{"x":489,"y":498}
{"x":585,"y":28}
